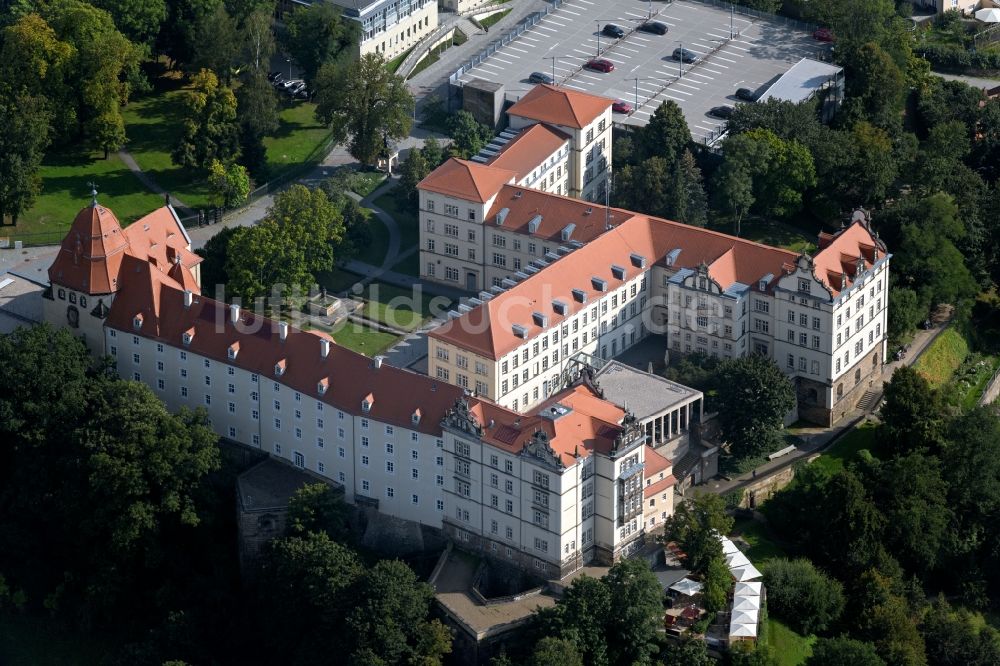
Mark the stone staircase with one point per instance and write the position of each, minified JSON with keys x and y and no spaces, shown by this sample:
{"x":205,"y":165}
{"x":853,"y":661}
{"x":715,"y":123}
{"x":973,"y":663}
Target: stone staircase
{"x":869,"y":400}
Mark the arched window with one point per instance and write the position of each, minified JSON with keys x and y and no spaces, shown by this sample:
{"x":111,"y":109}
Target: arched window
{"x":875,"y":359}
{"x":857,"y":376}
{"x":840,"y":391}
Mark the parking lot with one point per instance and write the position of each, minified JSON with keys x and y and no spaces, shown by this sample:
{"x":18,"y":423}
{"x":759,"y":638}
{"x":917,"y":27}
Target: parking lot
{"x":733,"y":51}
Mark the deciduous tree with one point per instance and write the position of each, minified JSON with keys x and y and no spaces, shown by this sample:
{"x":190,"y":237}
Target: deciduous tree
{"x":211,"y":131}
{"x":230,"y":183}
{"x":24,"y":136}
{"x":804,"y":597}
{"x":317,"y":508}
{"x":318,"y":35}
{"x":696,"y":525}
{"x":365,"y":105}
{"x":757,"y":396}
{"x":912,"y":413}
{"x":551,"y":651}
{"x":843,"y":652}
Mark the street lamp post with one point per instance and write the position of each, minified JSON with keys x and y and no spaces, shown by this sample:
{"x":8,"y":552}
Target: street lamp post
{"x":289,"y":61}
{"x":732,"y":13}
{"x":680,"y":62}
{"x":598,"y":22}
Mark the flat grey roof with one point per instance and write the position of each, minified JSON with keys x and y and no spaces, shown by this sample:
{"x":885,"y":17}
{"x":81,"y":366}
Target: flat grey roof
{"x":643,"y":393}
{"x":801,"y":81}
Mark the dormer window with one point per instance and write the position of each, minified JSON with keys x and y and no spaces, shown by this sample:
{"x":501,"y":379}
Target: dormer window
{"x":415,"y":417}
{"x":322,"y":385}
{"x":580,"y":295}
{"x":599,"y":284}
{"x":519,"y":331}
{"x":234,"y":349}
{"x":638,"y":260}
{"x":187,"y":336}
{"x":366,"y":404}
{"x":137,"y":322}
{"x":279,"y":368}
{"x":618,"y":272}
{"x":560,"y":307}
{"x":540,"y":320}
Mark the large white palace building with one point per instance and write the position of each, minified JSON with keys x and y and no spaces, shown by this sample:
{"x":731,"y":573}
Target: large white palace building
{"x":558,"y":277}
{"x":549,"y":489}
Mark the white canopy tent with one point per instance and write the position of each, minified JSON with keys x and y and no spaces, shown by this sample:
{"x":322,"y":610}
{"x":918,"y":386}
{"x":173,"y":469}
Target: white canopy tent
{"x":728,"y":547}
{"x":736,"y":560}
{"x":748,"y":589}
{"x":687,"y":587}
{"x":743,"y":574}
{"x":746,"y":604}
{"x":744,"y":617}
{"x":743,"y":630}
{"x":988,"y":15}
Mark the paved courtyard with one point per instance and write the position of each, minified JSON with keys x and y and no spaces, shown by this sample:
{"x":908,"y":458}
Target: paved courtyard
{"x":733,"y":51}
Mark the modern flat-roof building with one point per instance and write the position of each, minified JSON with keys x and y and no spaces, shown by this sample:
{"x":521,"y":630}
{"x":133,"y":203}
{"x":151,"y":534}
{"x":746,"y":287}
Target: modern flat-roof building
{"x":390,"y":27}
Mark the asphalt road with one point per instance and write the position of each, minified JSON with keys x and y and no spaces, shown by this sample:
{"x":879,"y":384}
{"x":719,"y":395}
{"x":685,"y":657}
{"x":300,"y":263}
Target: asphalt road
{"x":759,"y":52}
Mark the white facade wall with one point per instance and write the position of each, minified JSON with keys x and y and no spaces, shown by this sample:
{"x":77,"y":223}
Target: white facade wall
{"x":391,"y":27}
{"x":349,"y":449}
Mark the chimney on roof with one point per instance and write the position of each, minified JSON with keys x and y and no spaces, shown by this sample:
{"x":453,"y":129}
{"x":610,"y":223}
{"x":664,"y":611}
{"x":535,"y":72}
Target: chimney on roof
{"x":324,"y":348}
{"x":843,"y":281}
{"x":282,"y":331}
{"x":188,"y":298}
{"x":234,"y":313}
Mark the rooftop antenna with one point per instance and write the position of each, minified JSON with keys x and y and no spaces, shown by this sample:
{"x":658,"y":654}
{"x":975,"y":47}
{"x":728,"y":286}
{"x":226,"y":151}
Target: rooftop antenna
{"x":93,"y":193}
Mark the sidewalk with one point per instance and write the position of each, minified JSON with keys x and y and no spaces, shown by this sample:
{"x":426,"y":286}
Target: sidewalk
{"x":815,"y":440}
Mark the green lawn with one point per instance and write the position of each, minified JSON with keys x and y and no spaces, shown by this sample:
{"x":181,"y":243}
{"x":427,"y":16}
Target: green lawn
{"x":374,"y":253}
{"x":394,"y":64}
{"x":396,"y":307}
{"x":762,"y":547}
{"x":27,"y":640}
{"x":939,"y":362}
{"x":337,"y":281}
{"x":493,"y":19}
{"x":65,"y":191}
{"x":298,"y":139}
{"x":405,"y":214}
{"x":362,"y":339}
{"x":847,"y":447}
{"x":769,"y":232}
{"x":364,"y":183}
{"x":154,"y":123}
{"x":790,"y":648}
{"x":409,"y":265}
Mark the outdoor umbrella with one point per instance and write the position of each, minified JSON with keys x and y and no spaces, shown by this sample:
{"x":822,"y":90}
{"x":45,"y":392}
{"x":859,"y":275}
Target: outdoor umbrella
{"x":686,"y":586}
{"x":743,"y":574}
{"x":743,"y":630}
{"x":748,"y":589}
{"x":728,"y":547}
{"x":736,"y":560}
{"x":746,"y":603}
{"x":988,"y":15}
{"x":690,"y":613}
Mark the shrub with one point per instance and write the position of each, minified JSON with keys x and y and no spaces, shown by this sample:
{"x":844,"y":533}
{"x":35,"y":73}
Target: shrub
{"x":802,"y":596}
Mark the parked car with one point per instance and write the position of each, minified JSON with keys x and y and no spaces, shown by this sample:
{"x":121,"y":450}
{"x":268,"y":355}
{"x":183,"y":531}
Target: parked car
{"x":539,"y":77}
{"x":655,"y":27}
{"x":274,"y":76}
{"x":278,"y":79}
{"x":823,"y":35}
{"x":621,"y":106}
{"x":612,"y":30}
{"x":289,"y":84}
{"x":684,"y":55}
{"x":600,"y":65}
{"x":295,"y":91}
{"x":746,"y":94}
{"x":723,"y":112}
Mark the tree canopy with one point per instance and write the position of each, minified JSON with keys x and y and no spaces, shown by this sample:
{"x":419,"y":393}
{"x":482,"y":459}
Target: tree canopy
{"x":365,"y":105}
{"x":757,"y":396}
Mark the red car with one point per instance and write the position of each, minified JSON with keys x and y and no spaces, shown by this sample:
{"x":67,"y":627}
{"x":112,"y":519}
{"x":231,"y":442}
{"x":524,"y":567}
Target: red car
{"x":823,"y":35}
{"x":621,"y":106}
{"x":600,"y":65}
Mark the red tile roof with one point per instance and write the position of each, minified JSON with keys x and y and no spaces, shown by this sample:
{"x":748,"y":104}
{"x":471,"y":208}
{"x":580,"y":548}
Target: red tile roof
{"x":351,"y":377}
{"x":655,"y":463}
{"x":589,"y":220}
{"x":526,"y":152}
{"x":487,"y":329}
{"x":837,"y":259}
{"x":466,"y":180}
{"x":92,"y":253}
{"x":591,"y":425}
{"x":654,"y":489}
{"x":560,"y":106}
